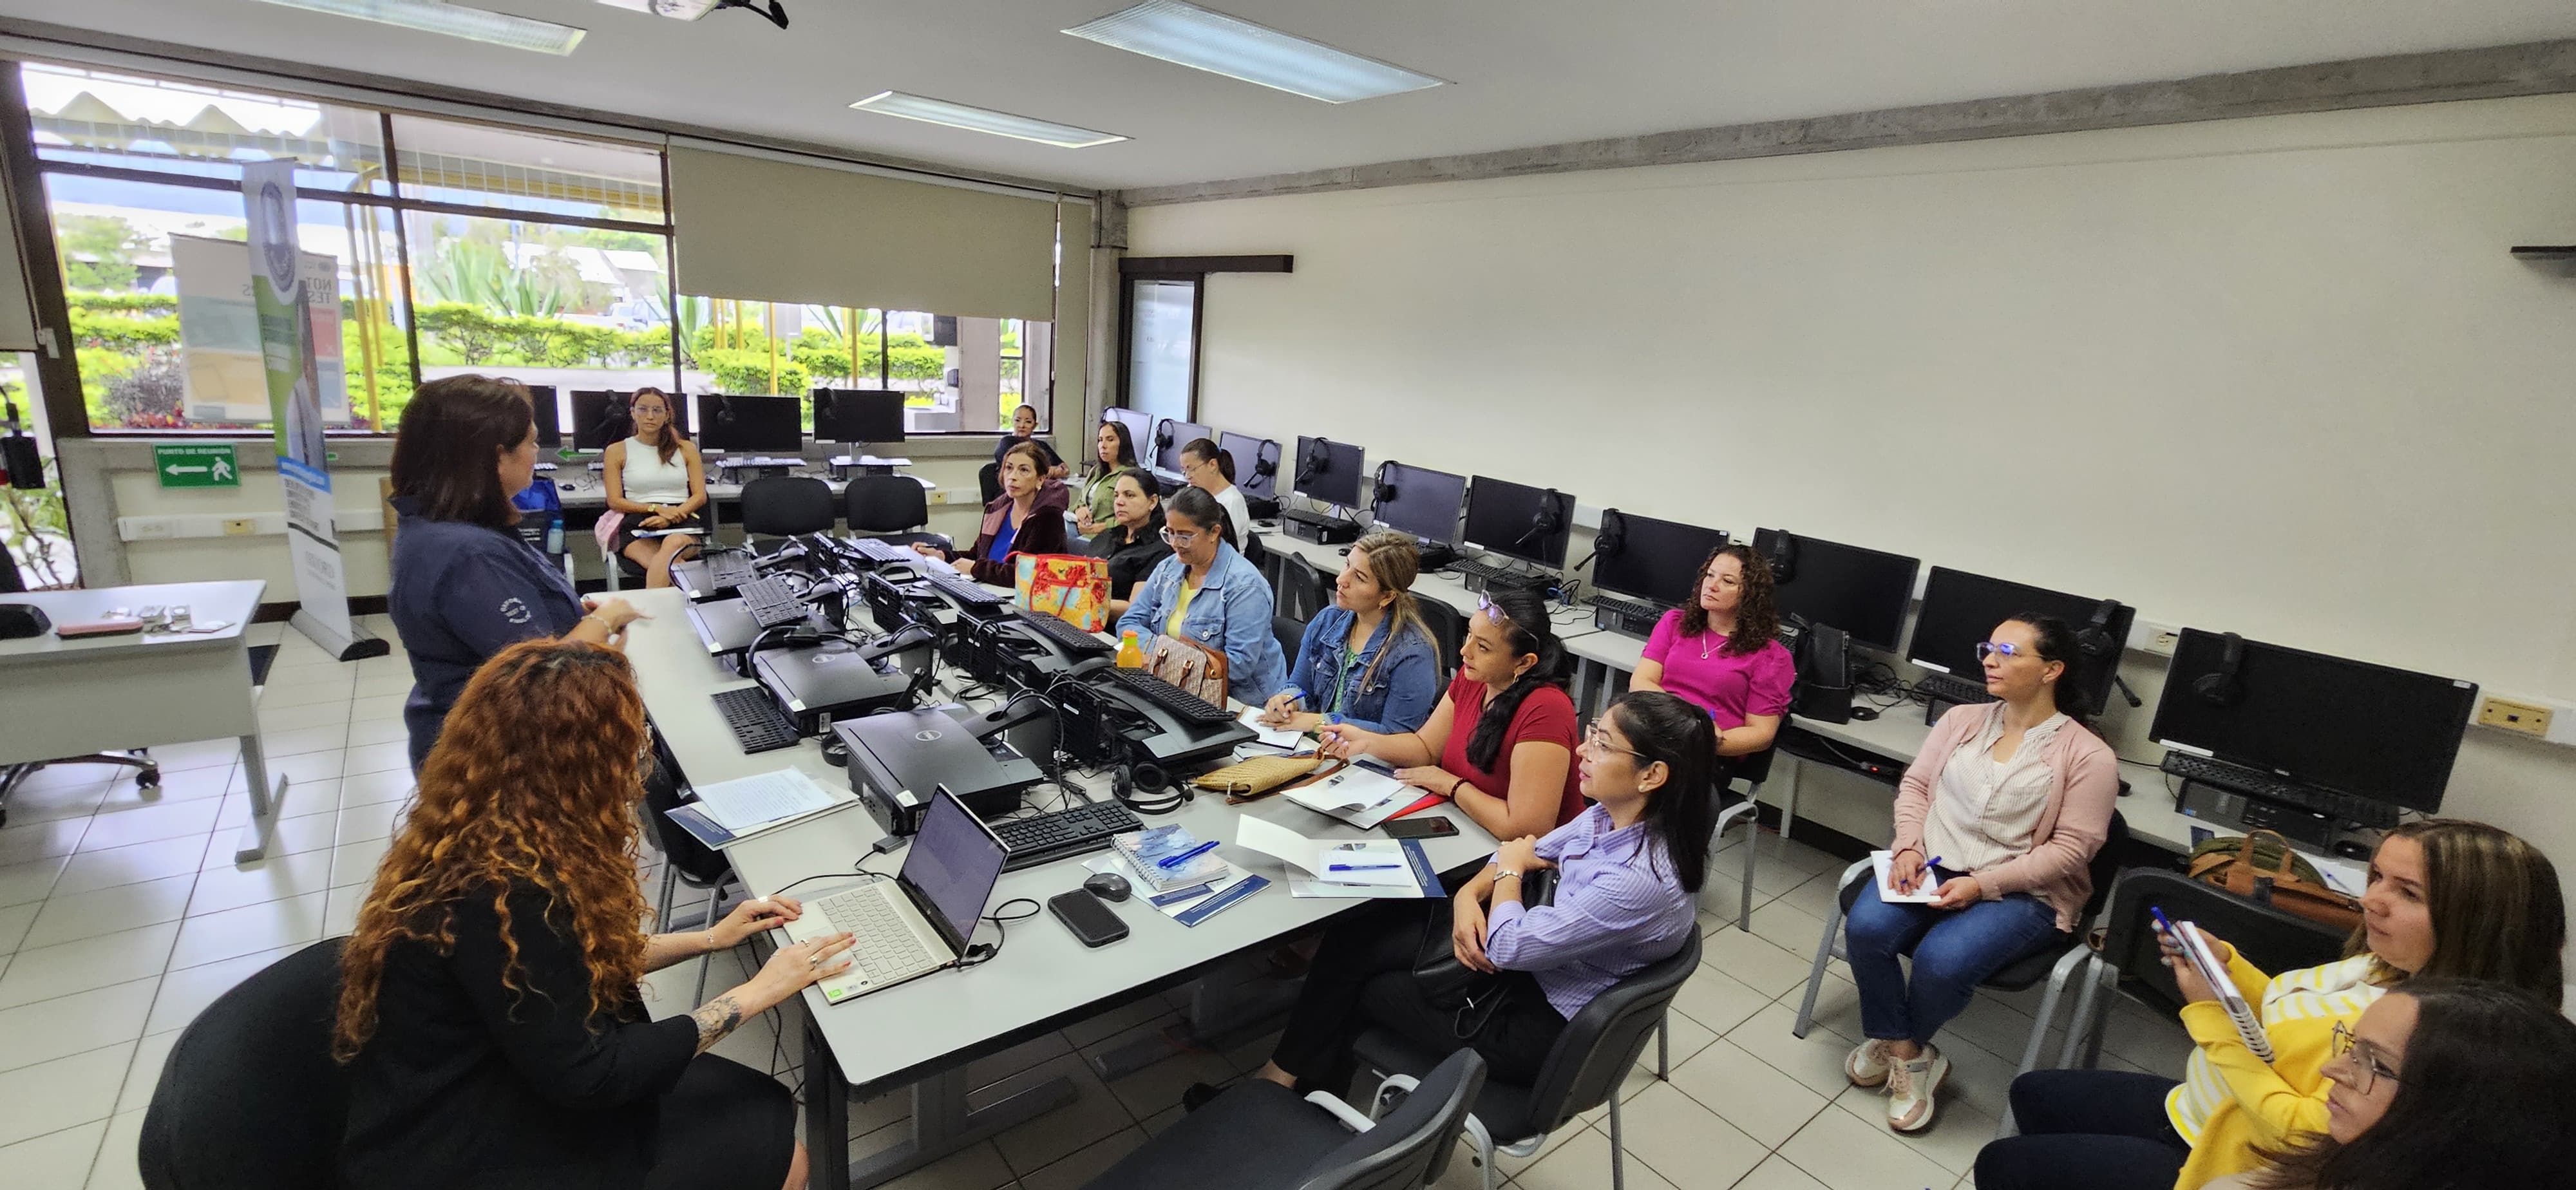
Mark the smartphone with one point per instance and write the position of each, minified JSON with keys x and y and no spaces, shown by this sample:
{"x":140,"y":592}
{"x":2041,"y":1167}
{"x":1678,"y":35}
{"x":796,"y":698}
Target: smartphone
{"x":1090,"y":921}
{"x":1428,"y":827}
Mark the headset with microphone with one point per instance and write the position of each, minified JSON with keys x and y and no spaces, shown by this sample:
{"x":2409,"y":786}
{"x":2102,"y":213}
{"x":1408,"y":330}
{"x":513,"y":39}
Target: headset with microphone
{"x":1316,"y":459}
{"x":2094,"y":639}
{"x":1163,"y":436}
{"x":1784,"y":557}
{"x":1265,"y":458}
{"x":1382,"y":491}
{"x":1612,"y":538}
{"x":2224,"y":686}
{"x":1547,"y":520}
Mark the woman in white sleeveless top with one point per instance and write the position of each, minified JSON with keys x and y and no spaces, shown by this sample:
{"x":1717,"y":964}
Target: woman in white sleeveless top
{"x":656,"y":480}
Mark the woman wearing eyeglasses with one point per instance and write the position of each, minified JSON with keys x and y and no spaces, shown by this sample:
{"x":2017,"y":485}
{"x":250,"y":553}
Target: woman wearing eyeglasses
{"x":1209,"y":470}
{"x":2004,"y":806}
{"x":1208,"y":593}
{"x":2447,"y":898}
{"x":2442,"y":1085}
{"x":1501,"y":742}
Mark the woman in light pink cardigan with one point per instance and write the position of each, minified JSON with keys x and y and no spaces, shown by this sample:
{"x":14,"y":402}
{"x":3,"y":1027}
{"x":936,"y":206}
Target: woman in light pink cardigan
{"x":2005,"y":806}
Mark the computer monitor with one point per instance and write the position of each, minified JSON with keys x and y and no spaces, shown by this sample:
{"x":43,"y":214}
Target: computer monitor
{"x":1519,"y":521}
{"x":752,"y":425}
{"x":1419,"y":501}
{"x":1169,"y":438}
{"x":1326,"y":472}
{"x":1657,"y":560}
{"x":1140,"y":430}
{"x":2350,"y":726}
{"x":1248,"y":454}
{"x":1960,"y":610}
{"x":599,"y":418}
{"x":1864,"y":592}
{"x":858,"y":415}
{"x":953,"y":862}
{"x":549,"y":410}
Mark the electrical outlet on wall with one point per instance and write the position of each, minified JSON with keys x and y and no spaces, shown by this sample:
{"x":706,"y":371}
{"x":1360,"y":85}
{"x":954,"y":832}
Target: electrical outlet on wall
{"x":2512,"y":715}
{"x":2149,"y":636}
{"x":240,"y":526}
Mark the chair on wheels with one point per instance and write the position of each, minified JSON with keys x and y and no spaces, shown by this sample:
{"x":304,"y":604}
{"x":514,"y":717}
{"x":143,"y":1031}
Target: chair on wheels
{"x":147,"y":771}
{"x":2056,"y":965}
{"x":1583,"y":1069}
{"x":891,"y":507}
{"x":786,"y":505}
{"x":250,"y":1097}
{"x":1259,"y":1135}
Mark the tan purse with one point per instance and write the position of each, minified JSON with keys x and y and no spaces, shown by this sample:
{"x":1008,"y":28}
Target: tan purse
{"x":2261,"y":867}
{"x":1261,"y":776}
{"x":1192,"y":666}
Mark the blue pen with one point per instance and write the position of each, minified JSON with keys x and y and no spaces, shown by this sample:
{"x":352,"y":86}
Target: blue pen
{"x":1187,"y":856}
{"x":2161,"y":923}
{"x":1360,"y":867}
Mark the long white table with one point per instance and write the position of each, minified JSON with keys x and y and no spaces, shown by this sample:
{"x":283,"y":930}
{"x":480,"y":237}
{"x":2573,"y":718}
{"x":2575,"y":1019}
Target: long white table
{"x":63,"y":698}
{"x":922,"y":1034}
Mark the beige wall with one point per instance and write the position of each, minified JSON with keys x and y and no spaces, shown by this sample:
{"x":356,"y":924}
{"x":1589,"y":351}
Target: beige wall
{"x":2277,"y":376}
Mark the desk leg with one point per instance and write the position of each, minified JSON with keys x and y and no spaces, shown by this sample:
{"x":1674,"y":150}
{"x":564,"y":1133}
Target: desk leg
{"x":265,"y":801}
{"x":827,"y":1115}
{"x":943,"y":1124}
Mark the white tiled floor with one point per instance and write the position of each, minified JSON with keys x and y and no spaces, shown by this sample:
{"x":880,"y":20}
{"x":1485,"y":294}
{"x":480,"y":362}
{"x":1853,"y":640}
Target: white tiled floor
{"x":122,"y":917}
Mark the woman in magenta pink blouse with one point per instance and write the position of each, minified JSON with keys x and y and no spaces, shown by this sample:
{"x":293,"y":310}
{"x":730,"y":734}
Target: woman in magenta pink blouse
{"x":1723,"y":653}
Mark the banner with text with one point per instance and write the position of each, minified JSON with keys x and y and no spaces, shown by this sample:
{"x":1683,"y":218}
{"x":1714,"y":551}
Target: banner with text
{"x":286,"y":331}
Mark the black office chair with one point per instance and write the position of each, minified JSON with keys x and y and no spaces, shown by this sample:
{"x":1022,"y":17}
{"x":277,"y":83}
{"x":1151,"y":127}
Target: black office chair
{"x":250,"y":1097}
{"x":2057,"y":965}
{"x":1292,"y":636}
{"x":1304,"y":591}
{"x":2132,"y":964}
{"x":1753,"y":770}
{"x":1259,"y":1135}
{"x":1582,"y":1071}
{"x":893,"y":507}
{"x":147,"y":771}
{"x":1448,"y":630}
{"x":988,"y":480}
{"x":786,"y":505}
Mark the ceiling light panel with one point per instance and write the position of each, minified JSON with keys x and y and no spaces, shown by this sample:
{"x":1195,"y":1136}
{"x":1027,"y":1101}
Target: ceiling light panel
{"x":1219,"y":44}
{"x":682,"y":10}
{"x":453,"y":20}
{"x":976,"y":119}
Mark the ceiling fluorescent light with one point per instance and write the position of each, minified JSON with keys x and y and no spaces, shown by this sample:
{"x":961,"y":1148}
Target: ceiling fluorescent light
{"x":958,"y":115}
{"x":1220,"y":44}
{"x":684,"y":10}
{"x":472,"y":24}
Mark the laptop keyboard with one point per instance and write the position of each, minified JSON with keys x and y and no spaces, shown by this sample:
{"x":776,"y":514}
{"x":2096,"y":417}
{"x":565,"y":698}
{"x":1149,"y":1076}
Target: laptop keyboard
{"x":885,"y":948}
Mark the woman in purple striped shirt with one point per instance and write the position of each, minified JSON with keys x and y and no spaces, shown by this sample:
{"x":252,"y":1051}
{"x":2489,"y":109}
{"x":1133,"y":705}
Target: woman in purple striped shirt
{"x":1627,"y":872}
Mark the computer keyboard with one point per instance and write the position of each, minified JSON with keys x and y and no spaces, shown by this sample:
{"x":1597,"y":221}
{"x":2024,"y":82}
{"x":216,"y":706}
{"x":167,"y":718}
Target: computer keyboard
{"x":967,"y":591}
{"x":1079,"y":642}
{"x":881,"y":551}
{"x":1941,"y":687}
{"x":1041,"y":838}
{"x":772,"y":601}
{"x":728,"y":569}
{"x":758,"y":725}
{"x":884,"y":945}
{"x":1632,"y":616}
{"x":1187,"y":706}
{"x":2342,"y":807}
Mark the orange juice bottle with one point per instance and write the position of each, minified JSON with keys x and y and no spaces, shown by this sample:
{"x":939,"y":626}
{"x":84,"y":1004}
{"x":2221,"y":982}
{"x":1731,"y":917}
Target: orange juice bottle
{"x":1131,"y":650}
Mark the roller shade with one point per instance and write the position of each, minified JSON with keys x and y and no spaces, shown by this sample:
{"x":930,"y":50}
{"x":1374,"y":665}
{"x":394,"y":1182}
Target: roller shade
{"x":1072,"y":341}
{"x":757,"y":228}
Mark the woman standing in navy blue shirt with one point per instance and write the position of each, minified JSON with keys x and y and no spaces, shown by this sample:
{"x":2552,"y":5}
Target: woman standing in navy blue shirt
{"x":464,"y":586}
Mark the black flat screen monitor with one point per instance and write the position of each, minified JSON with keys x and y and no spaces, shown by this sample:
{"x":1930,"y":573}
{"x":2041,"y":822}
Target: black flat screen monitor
{"x":1140,"y":430}
{"x":1169,"y":438}
{"x":752,"y":425}
{"x":2350,"y":726}
{"x":858,"y":415}
{"x":1419,"y":501}
{"x":1864,"y":592}
{"x":1326,"y":472}
{"x":599,"y":418}
{"x":1248,"y":453}
{"x":1960,"y":611}
{"x":1504,"y":517}
{"x":549,"y":410}
{"x":1657,"y":560}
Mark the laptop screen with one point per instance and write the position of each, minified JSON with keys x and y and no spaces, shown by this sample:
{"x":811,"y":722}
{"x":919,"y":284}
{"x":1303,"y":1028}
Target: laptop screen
{"x":952,"y":864}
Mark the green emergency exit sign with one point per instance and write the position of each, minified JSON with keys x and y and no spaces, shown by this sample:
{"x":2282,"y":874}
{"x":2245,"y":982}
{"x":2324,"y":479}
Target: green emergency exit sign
{"x":196,"y":464}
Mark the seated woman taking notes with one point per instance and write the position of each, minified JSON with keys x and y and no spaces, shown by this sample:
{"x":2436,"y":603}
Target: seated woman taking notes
{"x":1368,"y":660}
{"x":1501,"y":742}
{"x":489,"y":1013}
{"x":1723,"y":654}
{"x":1208,"y":593}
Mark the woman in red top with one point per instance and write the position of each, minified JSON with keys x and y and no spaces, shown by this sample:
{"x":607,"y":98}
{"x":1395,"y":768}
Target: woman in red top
{"x":1505,"y":732}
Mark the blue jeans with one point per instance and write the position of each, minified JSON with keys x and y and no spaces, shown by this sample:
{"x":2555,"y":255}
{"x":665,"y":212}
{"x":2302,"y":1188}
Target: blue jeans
{"x":1954,"y":950}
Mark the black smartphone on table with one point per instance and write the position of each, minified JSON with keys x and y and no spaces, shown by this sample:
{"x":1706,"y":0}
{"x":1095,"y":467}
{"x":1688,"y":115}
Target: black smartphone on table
{"x":1091,"y":922}
{"x":1431,"y":826}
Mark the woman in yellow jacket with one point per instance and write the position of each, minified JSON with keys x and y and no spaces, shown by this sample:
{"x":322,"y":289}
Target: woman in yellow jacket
{"x":2446,"y":897}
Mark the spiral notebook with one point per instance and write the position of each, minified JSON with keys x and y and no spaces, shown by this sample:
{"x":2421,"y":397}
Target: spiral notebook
{"x":1146,"y":850}
{"x":2249,"y":1025}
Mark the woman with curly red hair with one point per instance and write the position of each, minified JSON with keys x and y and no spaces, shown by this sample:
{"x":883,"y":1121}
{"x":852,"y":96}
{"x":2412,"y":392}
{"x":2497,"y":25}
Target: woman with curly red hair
{"x":489,"y":1011}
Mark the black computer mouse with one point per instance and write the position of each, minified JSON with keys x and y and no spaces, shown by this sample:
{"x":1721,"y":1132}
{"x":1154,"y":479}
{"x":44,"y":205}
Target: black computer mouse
{"x":1108,"y":886}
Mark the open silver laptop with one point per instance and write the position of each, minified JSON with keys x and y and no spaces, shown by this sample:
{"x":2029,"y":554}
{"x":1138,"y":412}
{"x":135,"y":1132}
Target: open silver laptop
{"x":921,"y":920}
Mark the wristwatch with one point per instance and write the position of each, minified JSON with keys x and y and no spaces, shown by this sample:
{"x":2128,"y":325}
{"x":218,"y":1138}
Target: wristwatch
{"x":1506,"y":874}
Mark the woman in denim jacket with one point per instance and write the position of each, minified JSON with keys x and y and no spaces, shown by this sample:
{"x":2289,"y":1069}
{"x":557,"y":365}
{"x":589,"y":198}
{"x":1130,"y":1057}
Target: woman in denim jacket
{"x":1208,"y":593}
{"x":1368,"y":660}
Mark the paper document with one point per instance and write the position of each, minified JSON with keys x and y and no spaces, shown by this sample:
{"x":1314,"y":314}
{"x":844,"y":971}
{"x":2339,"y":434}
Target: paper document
{"x":1923,"y":894}
{"x":746,"y":802}
{"x":1354,"y":861}
{"x":1276,"y":737}
{"x":1361,"y":797}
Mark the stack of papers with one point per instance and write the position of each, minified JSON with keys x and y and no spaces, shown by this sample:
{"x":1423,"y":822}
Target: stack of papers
{"x":729,"y":811}
{"x":1279,"y":738}
{"x":1362,"y":797}
{"x":1341,"y":867}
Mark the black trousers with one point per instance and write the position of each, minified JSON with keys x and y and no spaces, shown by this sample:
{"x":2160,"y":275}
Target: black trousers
{"x":1362,"y":978}
{"x":2086,"y":1130}
{"x":725,"y":1126}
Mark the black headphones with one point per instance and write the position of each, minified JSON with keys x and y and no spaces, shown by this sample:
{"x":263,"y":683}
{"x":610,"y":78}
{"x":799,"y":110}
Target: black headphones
{"x":2094,"y":640}
{"x":1380,"y":491}
{"x":724,"y":410}
{"x":1612,"y":538}
{"x":1145,"y":788}
{"x":1265,"y":458}
{"x":1784,"y":557}
{"x":2226,"y":685}
{"x":1163,"y":436}
{"x":1547,"y":520}
{"x":1314,"y":460}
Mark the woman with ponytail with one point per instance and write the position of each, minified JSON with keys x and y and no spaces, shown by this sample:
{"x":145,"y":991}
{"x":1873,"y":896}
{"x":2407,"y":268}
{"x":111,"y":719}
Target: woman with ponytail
{"x":1368,"y":660}
{"x":1501,"y":742}
{"x":1628,"y":870}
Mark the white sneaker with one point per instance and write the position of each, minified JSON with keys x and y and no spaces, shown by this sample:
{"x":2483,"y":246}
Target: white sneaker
{"x":1910,"y":1088}
{"x":1866,"y":1065}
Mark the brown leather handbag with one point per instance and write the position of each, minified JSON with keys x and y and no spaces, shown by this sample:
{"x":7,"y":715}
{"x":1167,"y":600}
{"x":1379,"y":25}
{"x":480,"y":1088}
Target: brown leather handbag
{"x":2261,"y":867}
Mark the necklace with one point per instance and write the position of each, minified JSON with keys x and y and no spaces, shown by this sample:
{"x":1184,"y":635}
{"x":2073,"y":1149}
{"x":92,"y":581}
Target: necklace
{"x":1708,"y":643}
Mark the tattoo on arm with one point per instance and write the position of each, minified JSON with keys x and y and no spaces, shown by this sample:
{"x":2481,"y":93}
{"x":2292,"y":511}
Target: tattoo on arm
{"x":716,"y":1018}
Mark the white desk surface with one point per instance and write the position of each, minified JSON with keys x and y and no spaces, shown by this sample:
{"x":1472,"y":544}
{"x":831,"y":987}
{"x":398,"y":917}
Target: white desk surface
{"x":588,"y":490}
{"x":1042,"y":978}
{"x":233,"y":602}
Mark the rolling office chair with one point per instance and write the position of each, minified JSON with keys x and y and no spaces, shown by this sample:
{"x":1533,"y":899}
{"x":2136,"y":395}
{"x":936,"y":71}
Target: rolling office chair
{"x":1304,"y":591}
{"x":1259,"y":1135}
{"x":1292,"y":636}
{"x":891,"y":507}
{"x":1448,"y":630}
{"x":147,"y":771}
{"x":988,"y":483}
{"x":250,"y":1098}
{"x":786,"y":505}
